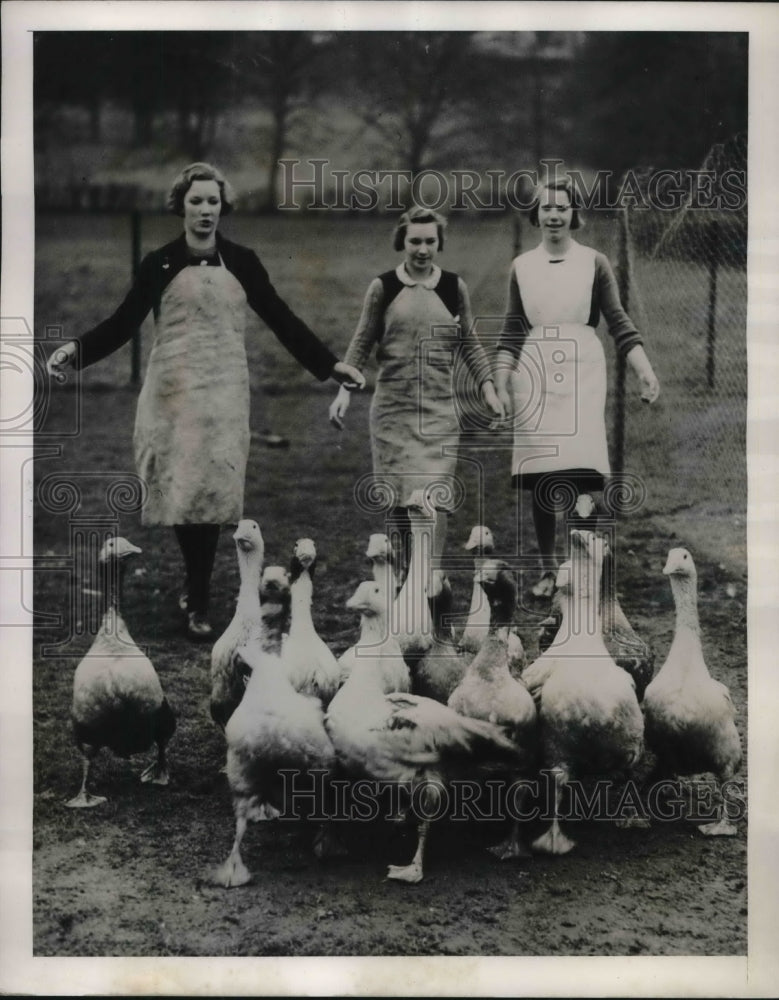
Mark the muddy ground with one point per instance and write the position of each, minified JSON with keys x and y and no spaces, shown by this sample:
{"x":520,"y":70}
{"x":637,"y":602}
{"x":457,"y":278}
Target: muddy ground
{"x":130,"y":878}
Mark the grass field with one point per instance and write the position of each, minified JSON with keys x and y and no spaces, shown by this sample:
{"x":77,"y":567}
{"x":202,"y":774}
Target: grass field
{"x":129,"y":878}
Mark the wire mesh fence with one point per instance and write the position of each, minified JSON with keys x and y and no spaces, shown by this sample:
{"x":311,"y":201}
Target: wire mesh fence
{"x":683,"y":273}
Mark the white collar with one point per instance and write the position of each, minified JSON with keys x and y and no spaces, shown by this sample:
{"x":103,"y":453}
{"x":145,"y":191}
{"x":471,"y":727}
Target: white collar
{"x":429,"y":282}
{"x":572,"y":248}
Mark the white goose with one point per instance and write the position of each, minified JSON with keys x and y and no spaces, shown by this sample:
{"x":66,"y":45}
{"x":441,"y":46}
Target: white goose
{"x":489,"y":691}
{"x":375,"y":641}
{"x":384,"y":563}
{"x":482,"y":543}
{"x":275,"y":602}
{"x":118,"y":701}
{"x":227,"y":681}
{"x":591,"y":722}
{"x":628,"y":650}
{"x":309,"y":663}
{"x":410,"y":617}
{"x":690,"y":717}
{"x":401,"y":738}
{"x":273,"y":729}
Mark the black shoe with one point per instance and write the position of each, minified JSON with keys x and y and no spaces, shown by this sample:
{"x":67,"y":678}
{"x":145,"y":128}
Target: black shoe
{"x":198,"y":627}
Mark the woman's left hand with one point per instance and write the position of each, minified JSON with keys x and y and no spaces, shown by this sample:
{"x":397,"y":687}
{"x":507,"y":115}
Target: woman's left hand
{"x":650,"y":387}
{"x":493,"y":402}
{"x":348,"y":376}
{"x":639,"y":362}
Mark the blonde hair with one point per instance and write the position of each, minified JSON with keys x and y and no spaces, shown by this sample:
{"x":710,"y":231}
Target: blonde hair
{"x":417,"y":214}
{"x":199,"y":172}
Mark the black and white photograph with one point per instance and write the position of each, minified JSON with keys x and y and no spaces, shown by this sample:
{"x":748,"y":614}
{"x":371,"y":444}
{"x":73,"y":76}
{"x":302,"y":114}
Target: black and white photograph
{"x":388,"y":499}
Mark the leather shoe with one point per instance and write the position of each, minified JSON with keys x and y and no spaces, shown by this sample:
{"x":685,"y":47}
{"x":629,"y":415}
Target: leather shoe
{"x":198,"y":627}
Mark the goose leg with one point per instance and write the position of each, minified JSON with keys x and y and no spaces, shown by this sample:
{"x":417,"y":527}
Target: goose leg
{"x":84,"y":800}
{"x":327,"y":843}
{"x":513,"y":846}
{"x":234,"y":872}
{"x":723,"y":827}
{"x":157,"y":772}
{"x":412,"y":873}
{"x":554,"y":841}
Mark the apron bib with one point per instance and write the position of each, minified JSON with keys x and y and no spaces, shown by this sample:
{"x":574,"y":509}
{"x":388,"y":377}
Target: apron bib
{"x":191,"y":437}
{"x":559,"y":388}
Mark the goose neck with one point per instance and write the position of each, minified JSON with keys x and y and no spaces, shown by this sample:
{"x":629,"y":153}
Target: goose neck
{"x":685,"y":596}
{"x":301,"y":593}
{"x":492,"y":657}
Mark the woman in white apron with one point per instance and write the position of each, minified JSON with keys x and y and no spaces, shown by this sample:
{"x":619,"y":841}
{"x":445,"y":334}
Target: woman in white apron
{"x":191,"y":437}
{"x":419,"y":319}
{"x":551,"y":368}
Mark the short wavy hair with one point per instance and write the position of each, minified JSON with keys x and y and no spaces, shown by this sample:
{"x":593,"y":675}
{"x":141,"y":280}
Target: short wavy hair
{"x":199,"y":172}
{"x":559,"y":184}
{"x":418,"y":214}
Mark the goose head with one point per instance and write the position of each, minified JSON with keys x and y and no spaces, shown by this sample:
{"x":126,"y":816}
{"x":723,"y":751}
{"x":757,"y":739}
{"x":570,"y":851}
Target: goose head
{"x":585,"y":505}
{"x":303,"y":558}
{"x":378,"y":547}
{"x":420,"y":506}
{"x":274,"y":584}
{"x":248,"y":537}
{"x":116,"y":549}
{"x":480,"y":540}
{"x":679,"y":563}
{"x":369,"y":599}
{"x":498,"y":582}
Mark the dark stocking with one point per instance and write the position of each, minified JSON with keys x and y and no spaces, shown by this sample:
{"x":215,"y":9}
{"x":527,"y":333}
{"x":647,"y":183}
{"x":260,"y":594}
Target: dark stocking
{"x":198,"y":544}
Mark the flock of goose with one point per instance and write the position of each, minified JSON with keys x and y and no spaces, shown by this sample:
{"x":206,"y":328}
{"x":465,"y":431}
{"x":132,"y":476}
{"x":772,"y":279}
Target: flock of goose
{"x":408,"y":704}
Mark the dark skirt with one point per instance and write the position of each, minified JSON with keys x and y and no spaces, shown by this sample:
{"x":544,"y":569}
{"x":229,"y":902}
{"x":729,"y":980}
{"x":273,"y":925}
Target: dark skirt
{"x":559,"y":489}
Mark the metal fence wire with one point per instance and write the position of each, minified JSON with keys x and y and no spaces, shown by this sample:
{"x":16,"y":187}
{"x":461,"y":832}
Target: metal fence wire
{"x":683,"y":271}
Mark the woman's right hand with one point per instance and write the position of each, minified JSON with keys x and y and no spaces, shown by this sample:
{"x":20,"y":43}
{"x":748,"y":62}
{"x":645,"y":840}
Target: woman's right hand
{"x":338,"y":408}
{"x":60,"y":359}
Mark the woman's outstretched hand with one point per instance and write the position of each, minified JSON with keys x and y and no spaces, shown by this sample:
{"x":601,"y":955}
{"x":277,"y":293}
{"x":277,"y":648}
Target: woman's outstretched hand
{"x":494,"y":403}
{"x":60,"y":359}
{"x":338,"y":408}
{"x":348,"y":376}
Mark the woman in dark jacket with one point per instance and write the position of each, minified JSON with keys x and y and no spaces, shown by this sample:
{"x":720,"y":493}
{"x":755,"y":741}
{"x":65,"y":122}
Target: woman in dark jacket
{"x":191,"y":438}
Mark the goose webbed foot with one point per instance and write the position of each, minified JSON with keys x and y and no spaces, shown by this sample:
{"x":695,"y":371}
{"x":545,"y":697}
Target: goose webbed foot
{"x":722,"y":828}
{"x":554,"y":841}
{"x":156,"y":774}
{"x":510,"y":849}
{"x":232,"y":873}
{"x":85,"y":800}
{"x":406,"y":873}
{"x":633,"y":823}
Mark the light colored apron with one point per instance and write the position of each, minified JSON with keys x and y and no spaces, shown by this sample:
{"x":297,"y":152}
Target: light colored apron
{"x":413,"y":420}
{"x":559,"y":387}
{"x":192,"y":435}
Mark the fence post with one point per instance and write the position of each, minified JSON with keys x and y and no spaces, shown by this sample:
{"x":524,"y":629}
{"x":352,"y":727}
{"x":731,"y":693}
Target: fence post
{"x":623,"y":278}
{"x":517,"y":229}
{"x":711,"y":319}
{"x":135,"y":230}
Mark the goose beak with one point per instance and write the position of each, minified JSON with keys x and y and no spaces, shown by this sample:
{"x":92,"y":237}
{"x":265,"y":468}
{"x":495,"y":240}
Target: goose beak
{"x":378,"y":545}
{"x":305,"y":551}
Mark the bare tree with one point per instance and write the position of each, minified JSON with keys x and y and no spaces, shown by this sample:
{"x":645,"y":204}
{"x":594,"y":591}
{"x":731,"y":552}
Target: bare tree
{"x":408,"y":88}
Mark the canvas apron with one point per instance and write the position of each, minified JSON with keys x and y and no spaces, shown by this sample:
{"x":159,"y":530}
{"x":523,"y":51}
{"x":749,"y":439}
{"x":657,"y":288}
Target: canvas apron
{"x":559,"y":386}
{"x":413,"y":420}
{"x":191,"y":437}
